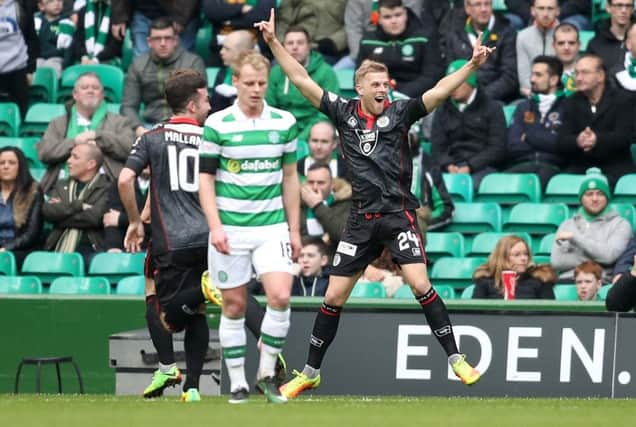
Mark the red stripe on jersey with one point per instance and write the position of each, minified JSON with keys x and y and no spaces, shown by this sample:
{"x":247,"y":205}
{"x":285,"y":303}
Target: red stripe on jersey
{"x":183,"y":120}
{"x":370,"y":119}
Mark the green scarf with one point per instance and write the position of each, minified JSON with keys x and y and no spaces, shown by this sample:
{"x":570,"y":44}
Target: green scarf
{"x":569,"y":84}
{"x":631,"y":68}
{"x":471,"y":32}
{"x":96,"y":31}
{"x":375,"y":13}
{"x":313,"y":226}
{"x":590,"y":218}
{"x":75,"y":129}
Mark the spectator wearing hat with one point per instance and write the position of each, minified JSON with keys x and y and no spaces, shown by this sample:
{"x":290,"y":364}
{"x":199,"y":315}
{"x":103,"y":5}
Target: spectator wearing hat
{"x":469,"y":130}
{"x":598,"y":124}
{"x":594,"y":233}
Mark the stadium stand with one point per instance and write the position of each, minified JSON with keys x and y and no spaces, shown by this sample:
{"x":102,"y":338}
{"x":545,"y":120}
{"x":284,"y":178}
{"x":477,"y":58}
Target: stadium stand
{"x":625,"y":190}
{"x":8,"y":265}
{"x":484,"y":243}
{"x":44,"y":86}
{"x":536,"y":218}
{"x":116,"y":266}
{"x":131,"y":285}
{"x":509,"y":188}
{"x":20,"y":285}
{"x":38,"y":117}
{"x":459,"y":186}
{"x":112,"y":79}
{"x":468,"y":292}
{"x":80,"y":286}
{"x":564,"y":188}
{"x":565,"y":293}
{"x":473,"y":218}
{"x":368,"y":290}
{"x":455,"y":272}
{"x":444,"y":244}
{"x":9,"y":119}
{"x":50,"y":265}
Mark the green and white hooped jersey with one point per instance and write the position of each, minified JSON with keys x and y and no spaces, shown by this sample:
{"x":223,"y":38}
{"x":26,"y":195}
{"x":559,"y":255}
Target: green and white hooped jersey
{"x":251,"y":154}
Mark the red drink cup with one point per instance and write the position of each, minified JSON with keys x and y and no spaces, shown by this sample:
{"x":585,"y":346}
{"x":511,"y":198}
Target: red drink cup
{"x":509,"y":279}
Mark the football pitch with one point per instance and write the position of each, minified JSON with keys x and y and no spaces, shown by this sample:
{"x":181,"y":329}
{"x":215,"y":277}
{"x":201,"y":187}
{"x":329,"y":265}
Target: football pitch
{"x":103,"y":410}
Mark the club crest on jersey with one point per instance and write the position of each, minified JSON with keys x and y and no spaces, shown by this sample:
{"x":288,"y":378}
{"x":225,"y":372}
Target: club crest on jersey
{"x":383,"y":122}
{"x":273,"y":137}
{"x":352,"y":122}
{"x":332,"y":96}
{"x":368,"y":139}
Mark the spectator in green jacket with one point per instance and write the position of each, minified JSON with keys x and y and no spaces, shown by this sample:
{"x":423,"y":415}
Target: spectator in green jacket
{"x":281,"y":93}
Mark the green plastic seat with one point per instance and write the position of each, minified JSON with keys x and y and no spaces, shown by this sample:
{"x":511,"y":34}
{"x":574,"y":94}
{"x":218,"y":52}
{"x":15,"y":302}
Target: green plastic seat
{"x":9,"y":119}
{"x":404,"y":292}
{"x":445,"y":291}
{"x":626,"y":211}
{"x":51,"y":265}
{"x":202,"y":41}
{"x":131,"y":285}
{"x":37,"y":173}
{"x":565,"y":293}
{"x":467,"y":293}
{"x":536,"y":218}
{"x":455,"y":272}
{"x":499,"y":5}
{"x":346,"y":83}
{"x":509,"y":188}
{"x":545,"y":247}
{"x":80,"y":286}
{"x":473,"y":218}
{"x":38,"y":117}
{"x":484,"y":243}
{"x":625,"y":190}
{"x":112,"y":79}
{"x":444,"y":244}
{"x":20,"y":285}
{"x":509,"y":112}
{"x":602,"y":293}
{"x":563,"y":188}
{"x":8,"y":265}
{"x":633,"y":153}
{"x":599,"y":10}
{"x":584,"y":38}
{"x":44,"y":86}
{"x":127,"y":55}
{"x":113,"y":107}
{"x":27,"y":145}
{"x":368,"y":290}
{"x":116,"y":266}
{"x":459,"y":186}
{"x":211,"y":73}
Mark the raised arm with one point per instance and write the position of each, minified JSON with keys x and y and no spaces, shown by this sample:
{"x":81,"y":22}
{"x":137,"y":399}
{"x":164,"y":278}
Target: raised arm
{"x":294,"y":70}
{"x":442,"y":90}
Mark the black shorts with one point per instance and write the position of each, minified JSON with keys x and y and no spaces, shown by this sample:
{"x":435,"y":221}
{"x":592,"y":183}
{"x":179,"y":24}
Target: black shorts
{"x":150,"y":269}
{"x":177,"y":271}
{"x":366,"y":235}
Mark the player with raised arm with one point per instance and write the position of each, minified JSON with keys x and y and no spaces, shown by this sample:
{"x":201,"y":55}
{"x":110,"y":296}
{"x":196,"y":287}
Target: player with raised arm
{"x":250,"y":194}
{"x":374,"y":133}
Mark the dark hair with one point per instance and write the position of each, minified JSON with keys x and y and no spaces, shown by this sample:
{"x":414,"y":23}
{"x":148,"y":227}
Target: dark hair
{"x":319,"y":165}
{"x":566,"y":27}
{"x":298,"y":29}
{"x":23,"y":180}
{"x":316,"y":241}
{"x":182,"y":86}
{"x":601,"y":64}
{"x":555,"y":67}
{"x":161,"y":23}
{"x":390,"y":4}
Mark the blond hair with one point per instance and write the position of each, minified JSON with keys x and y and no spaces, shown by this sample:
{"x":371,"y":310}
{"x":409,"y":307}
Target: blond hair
{"x":250,"y":57}
{"x":498,"y":260}
{"x":369,"y":66}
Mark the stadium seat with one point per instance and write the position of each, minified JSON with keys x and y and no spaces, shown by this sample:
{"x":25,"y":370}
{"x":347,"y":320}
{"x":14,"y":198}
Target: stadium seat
{"x":459,"y":186}
{"x":585,"y":37}
{"x":131,"y":285}
{"x":9,"y":119}
{"x":545,"y":247}
{"x":509,"y":112}
{"x":38,"y":117}
{"x":116,"y":266}
{"x":625,"y":190}
{"x":455,"y":272}
{"x":599,"y":10}
{"x":633,"y":153}
{"x":113,"y":107}
{"x":444,"y":244}
{"x":368,"y":290}
{"x":44,"y":85}
{"x":202,"y":41}
{"x":509,"y":188}
{"x":536,"y":218}
{"x":602,"y":293}
{"x":80,"y":286}
{"x":27,"y":145}
{"x":37,"y":173}
{"x":346,"y":83}
{"x":468,"y":292}
{"x":211,"y":73}
{"x":126,"y":51}
{"x":625,"y":210}
{"x":20,"y":285}
{"x":404,"y":292}
{"x":484,"y":243}
{"x":541,"y":259}
{"x":8,"y":265}
{"x":445,"y":291}
{"x":112,"y":79}
{"x":565,"y":293}
{"x":563,"y":188}
{"x":499,"y":5}
{"x":476,"y":218}
{"x":50,"y":265}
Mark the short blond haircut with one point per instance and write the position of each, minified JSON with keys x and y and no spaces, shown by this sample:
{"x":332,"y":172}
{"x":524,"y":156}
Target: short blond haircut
{"x":253,"y":58}
{"x":369,"y":66}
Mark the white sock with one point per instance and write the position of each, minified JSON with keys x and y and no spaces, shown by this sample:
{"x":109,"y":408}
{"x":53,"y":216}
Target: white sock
{"x":165,"y":368}
{"x":311,"y":372}
{"x":454,"y":358}
{"x":273,"y":333}
{"x":232,"y":338}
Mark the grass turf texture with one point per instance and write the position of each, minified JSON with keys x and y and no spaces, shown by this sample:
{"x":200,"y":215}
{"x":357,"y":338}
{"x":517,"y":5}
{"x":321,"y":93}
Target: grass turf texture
{"x":100,"y":410}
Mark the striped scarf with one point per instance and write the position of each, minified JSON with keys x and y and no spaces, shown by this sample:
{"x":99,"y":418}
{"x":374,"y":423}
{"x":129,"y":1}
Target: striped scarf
{"x":65,"y":30}
{"x":95,"y":33}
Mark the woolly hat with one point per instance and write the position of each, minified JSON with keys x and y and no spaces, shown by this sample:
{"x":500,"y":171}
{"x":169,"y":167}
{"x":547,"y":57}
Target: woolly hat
{"x":456,"y":65}
{"x":594,"y":180}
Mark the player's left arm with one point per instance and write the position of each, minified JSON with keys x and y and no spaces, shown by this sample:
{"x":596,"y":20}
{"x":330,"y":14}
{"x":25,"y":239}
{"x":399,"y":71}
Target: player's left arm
{"x":291,"y":203}
{"x":443,"y":89}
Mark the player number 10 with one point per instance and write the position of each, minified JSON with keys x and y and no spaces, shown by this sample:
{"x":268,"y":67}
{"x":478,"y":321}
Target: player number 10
{"x":180,"y":177}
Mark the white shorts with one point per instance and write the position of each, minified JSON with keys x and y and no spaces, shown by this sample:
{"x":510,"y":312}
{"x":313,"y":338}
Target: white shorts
{"x":266,"y":248}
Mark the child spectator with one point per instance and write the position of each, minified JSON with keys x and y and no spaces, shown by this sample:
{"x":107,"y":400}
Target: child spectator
{"x":312,"y":280}
{"x":588,"y":277}
{"x":55,"y":35}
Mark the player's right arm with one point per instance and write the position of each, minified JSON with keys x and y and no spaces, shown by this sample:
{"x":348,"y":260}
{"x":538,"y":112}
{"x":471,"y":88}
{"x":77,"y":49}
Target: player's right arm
{"x":294,"y":70}
{"x":138,"y":159}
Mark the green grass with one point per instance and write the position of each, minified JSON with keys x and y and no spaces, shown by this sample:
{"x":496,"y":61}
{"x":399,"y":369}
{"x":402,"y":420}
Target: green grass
{"x":100,"y":410}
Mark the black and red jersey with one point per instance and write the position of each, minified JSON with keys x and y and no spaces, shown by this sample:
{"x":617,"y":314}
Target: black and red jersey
{"x":377,"y":151}
{"x":172,"y":151}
